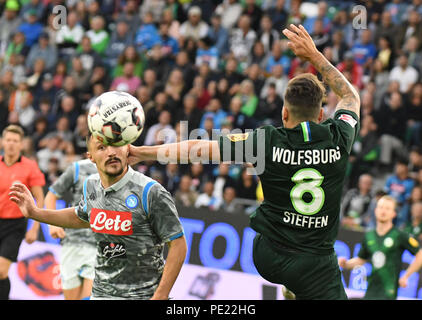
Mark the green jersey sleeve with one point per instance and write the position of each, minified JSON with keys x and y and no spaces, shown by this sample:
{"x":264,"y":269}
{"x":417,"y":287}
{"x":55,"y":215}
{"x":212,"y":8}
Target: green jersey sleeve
{"x":348,"y":126}
{"x":409,"y":243}
{"x":364,"y":252}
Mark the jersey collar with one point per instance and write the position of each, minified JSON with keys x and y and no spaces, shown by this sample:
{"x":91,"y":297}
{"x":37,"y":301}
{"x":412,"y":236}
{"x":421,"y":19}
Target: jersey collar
{"x":122,"y":182}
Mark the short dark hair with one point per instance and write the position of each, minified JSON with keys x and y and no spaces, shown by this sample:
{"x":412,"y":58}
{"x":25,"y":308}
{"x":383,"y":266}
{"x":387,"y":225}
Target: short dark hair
{"x":304,"y":95}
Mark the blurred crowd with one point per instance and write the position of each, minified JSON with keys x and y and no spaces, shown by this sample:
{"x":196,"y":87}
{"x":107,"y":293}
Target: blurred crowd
{"x":217,"y":64}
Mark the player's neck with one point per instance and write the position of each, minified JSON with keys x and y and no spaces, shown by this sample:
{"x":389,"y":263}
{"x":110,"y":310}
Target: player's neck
{"x":290,"y":124}
{"x":10,"y":159}
{"x":383,"y":228}
{"x":108,"y":180}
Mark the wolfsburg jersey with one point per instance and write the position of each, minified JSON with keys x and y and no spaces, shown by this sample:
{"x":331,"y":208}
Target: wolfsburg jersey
{"x":384,"y":253}
{"x":70,"y":183}
{"x":302,"y":172}
{"x":132,"y":220}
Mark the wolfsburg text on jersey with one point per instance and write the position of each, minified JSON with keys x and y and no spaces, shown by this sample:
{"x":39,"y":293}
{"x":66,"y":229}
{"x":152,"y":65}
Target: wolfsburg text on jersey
{"x":308,"y":157}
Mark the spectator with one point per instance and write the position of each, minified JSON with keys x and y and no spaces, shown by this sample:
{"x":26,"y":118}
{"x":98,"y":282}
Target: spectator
{"x":129,"y":54}
{"x":229,"y":203}
{"x":207,"y":53}
{"x":254,"y":11}
{"x":194,"y":28}
{"x":98,"y":35}
{"x":169,"y":45}
{"x":120,"y":39}
{"x":89,"y":57}
{"x":9,"y":21}
{"x":206,"y":199}
{"x":411,"y":27}
{"x":278,"y":15}
{"x":230,"y":11}
{"x":277,"y":57}
{"x":278,"y":78}
{"x":189,"y":112}
{"x":319,"y":35}
{"x":399,"y":186}
{"x":237,"y":119}
{"x":69,"y":35}
{"x":162,"y":132}
{"x":175,"y":88}
{"x":17,"y":47}
{"x":248,"y":97}
{"x":128,"y":82}
{"x":215,"y":112}
{"x":259,"y":56}
{"x":171,"y":177}
{"x":405,"y":74}
{"x":31,"y":28}
{"x":270,"y":107}
{"x":356,"y":203}
{"x":412,"y":50}
{"x":202,"y":95}
{"x":391,"y":121}
{"x":414,"y":226}
{"x":185,"y":195}
{"x":80,"y":74}
{"x":415,"y":162}
{"x":338,"y":47}
{"x":353,"y":68}
{"x":79,"y":135}
{"x":219,"y":35}
{"x":364,"y":51}
{"x":246,"y":186}
{"x":130,"y":15}
{"x":242,"y":38}
{"x":267,"y":35}
{"x":50,"y":151}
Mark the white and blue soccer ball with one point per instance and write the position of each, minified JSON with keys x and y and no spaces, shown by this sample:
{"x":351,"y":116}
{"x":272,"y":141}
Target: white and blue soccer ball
{"x":116,"y":118}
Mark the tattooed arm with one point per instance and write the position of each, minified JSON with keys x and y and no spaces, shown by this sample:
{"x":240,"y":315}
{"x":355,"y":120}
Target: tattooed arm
{"x":304,"y":47}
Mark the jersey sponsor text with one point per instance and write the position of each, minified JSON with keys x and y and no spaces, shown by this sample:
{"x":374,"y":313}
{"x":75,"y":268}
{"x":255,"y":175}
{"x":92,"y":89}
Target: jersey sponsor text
{"x":111,"y":222}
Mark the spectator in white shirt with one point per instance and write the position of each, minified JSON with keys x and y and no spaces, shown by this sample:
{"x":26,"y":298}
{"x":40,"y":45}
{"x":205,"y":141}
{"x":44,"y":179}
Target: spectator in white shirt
{"x":162,"y":132}
{"x":405,"y":74}
{"x":194,"y":27}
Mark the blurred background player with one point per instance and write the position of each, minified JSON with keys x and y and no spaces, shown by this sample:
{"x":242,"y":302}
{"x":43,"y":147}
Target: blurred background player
{"x":383,"y":248}
{"x":13,"y":168}
{"x":77,"y":258}
{"x":132,"y":216}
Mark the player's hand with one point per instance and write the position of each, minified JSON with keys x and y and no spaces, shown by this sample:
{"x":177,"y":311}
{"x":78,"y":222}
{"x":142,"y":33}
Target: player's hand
{"x":403,"y":281}
{"x":301,"y":42}
{"x":342,"y":262}
{"x":31,"y":235}
{"x":21,"y":195}
{"x":57,"y":232}
{"x":133,"y":157}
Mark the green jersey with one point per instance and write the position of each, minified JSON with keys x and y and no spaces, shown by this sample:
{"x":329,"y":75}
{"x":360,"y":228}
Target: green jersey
{"x":384,"y":253}
{"x":302,"y":171}
{"x":414,"y":231}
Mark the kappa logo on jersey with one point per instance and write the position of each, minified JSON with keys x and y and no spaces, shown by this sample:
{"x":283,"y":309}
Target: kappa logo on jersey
{"x":111,"y":222}
{"x":349,"y":119}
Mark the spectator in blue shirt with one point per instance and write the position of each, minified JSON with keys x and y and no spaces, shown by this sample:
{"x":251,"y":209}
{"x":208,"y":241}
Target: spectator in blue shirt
{"x":322,"y":15}
{"x":206,"y":52}
{"x":278,"y":58}
{"x":121,"y":38}
{"x":364,"y":51}
{"x":400,"y":187}
{"x":31,"y":28}
{"x":215,"y":112}
{"x":169,"y":45}
{"x":219,"y":35}
{"x":147,"y":35}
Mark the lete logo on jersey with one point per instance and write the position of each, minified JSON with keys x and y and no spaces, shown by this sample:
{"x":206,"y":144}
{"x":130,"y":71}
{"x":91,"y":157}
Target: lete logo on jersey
{"x":111,"y":222}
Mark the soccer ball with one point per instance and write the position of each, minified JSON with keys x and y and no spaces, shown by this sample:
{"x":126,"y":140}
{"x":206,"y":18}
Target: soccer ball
{"x":116,"y":118}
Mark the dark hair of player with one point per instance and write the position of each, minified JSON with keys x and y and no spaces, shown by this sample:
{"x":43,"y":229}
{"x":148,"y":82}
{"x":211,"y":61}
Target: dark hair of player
{"x":304,"y":96}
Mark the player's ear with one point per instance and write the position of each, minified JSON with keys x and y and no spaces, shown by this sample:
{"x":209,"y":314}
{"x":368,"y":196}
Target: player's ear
{"x":89,"y":156}
{"x":284,"y":113}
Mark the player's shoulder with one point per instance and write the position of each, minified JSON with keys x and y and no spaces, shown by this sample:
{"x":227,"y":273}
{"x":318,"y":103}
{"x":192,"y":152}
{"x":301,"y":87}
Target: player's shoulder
{"x":28,"y":162}
{"x":85,"y":165}
{"x":141,"y":180}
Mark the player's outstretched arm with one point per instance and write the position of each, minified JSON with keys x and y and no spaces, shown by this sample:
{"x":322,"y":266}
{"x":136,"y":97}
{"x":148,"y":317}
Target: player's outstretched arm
{"x":185,"y":151}
{"x":175,"y":258}
{"x":413,"y":267}
{"x":304,"y":47}
{"x":66,"y":218}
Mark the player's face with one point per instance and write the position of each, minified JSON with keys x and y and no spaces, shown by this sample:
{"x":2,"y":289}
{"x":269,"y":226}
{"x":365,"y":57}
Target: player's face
{"x":12,"y":144}
{"x":385,"y":210}
{"x":110,"y":160}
